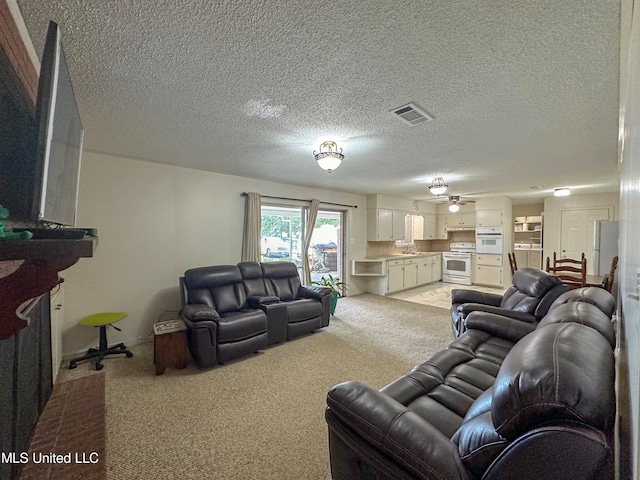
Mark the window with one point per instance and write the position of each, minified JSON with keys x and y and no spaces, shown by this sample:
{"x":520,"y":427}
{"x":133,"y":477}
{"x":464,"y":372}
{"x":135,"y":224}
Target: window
{"x":282,"y":238}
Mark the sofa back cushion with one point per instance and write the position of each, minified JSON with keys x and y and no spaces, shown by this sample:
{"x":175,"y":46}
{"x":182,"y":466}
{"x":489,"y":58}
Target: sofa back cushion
{"x":594,"y":295}
{"x":252,"y":278}
{"x":219,"y":287}
{"x":281,"y":279}
{"x":583,"y":313}
{"x":529,"y":286}
{"x":562,"y":372}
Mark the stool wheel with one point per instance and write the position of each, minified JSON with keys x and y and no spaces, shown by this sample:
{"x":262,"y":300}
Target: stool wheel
{"x":72,"y":365}
{"x":129,"y":354}
{"x":99,"y":366}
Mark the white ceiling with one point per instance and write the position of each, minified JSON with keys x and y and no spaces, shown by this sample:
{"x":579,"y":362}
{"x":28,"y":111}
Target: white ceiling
{"x":524,"y":93}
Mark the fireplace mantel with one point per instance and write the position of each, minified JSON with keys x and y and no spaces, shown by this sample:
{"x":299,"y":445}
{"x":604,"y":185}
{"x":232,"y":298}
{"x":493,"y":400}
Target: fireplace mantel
{"x":28,"y":269}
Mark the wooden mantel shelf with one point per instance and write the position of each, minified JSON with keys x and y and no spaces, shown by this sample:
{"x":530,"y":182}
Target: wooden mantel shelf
{"x":31,"y":269}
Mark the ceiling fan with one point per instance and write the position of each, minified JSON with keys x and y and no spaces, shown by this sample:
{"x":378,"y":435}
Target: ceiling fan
{"x":454,"y":203}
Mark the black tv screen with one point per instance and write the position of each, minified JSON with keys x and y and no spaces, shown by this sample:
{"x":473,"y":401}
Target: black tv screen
{"x":59,"y":142}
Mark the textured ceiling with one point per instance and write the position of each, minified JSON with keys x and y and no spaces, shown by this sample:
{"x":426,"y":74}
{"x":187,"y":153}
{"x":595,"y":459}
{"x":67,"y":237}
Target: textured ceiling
{"x":524,"y":93}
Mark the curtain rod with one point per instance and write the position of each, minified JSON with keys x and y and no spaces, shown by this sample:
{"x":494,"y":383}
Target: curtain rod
{"x":244,"y":194}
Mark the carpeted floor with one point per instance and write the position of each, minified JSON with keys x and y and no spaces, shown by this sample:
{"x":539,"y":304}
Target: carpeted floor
{"x":262,"y":416}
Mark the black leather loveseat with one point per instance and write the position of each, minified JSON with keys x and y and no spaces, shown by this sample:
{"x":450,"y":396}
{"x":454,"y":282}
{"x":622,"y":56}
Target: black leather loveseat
{"x":234,"y":310}
{"x":491,"y":405}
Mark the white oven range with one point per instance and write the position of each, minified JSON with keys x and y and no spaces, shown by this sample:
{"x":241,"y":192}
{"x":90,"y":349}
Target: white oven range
{"x":457,"y":264}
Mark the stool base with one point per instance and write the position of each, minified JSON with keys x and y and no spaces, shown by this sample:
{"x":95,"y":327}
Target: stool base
{"x":102,"y":351}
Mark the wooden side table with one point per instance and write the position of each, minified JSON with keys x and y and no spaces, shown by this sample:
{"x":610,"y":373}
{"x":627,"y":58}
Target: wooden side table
{"x":170,"y":345}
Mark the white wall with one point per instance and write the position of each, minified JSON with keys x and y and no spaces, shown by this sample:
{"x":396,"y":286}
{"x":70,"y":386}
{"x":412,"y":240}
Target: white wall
{"x":155,"y":221}
{"x":629,"y":266}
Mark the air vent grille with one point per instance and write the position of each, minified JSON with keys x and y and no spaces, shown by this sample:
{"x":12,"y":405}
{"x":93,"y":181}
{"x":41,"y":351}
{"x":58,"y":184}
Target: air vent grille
{"x":411,"y":114}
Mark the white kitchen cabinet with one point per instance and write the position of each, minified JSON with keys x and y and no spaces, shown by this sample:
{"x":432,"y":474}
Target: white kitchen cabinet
{"x":429,"y":269}
{"x":436,"y":274}
{"x":430,"y":232}
{"x":529,"y":258}
{"x":461,"y":219}
{"x":425,"y":270}
{"x":417,"y":222}
{"x":488,"y":270}
{"x":489,"y":218}
{"x":385,"y":225}
{"x":410,"y":273}
{"x":424,"y":226}
{"x":441,"y":227}
{"x":535,"y":259}
{"x":395,"y":276}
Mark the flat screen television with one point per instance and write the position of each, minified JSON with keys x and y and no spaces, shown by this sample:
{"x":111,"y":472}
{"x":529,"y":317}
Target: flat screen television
{"x":59,"y":139}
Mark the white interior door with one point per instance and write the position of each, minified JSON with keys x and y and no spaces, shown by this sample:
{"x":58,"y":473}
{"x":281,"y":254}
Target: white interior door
{"x":577,"y":233}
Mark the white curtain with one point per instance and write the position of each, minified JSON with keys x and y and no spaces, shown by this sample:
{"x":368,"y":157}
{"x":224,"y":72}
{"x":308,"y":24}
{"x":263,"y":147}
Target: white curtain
{"x":252,"y":228}
{"x":310,"y":222}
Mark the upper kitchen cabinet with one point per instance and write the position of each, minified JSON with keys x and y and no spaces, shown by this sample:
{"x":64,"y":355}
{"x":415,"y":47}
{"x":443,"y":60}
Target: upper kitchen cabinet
{"x":489,"y":218}
{"x":461,"y":219}
{"x":424,"y":226}
{"x":385,"y":225}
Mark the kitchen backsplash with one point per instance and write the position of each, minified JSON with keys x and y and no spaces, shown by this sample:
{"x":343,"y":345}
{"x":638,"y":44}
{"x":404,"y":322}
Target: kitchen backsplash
{"x":384,"y":249}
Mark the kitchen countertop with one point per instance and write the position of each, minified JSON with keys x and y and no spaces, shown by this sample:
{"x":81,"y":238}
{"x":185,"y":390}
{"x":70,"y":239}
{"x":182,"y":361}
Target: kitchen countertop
{"x":398,"y":256}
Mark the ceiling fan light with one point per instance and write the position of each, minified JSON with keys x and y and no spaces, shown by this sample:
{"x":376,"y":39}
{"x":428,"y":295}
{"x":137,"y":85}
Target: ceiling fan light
{"x":438,"y":187}
{"x":454,"y":207}
{"x":561,"y":192}
{"x":329,"y":158}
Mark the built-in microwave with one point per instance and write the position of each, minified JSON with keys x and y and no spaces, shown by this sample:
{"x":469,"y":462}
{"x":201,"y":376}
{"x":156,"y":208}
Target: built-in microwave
{"x":489,"y":240}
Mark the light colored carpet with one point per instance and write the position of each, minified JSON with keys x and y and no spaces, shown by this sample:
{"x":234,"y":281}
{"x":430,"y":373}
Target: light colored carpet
{"x":262,"y":416}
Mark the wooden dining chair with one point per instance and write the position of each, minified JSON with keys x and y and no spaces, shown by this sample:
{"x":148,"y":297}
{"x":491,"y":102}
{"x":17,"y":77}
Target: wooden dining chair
{"x":572,"y":272}
{"x":607,"y":281}
{"x":512,"y":262}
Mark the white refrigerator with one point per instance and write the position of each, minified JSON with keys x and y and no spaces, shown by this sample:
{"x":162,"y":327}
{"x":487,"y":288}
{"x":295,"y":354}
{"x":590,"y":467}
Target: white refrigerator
{"x":605,"y":245}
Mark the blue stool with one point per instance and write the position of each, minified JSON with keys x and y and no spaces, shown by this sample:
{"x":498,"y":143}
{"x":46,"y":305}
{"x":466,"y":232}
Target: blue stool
{"x":102,"y":320}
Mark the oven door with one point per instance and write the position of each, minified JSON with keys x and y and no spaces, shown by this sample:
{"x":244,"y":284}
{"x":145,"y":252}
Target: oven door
{"x":489,"y":244}
{"x":458,"y":265}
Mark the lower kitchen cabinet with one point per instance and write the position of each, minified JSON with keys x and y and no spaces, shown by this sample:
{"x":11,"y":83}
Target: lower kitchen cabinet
{"x":413,"y":272}
{"x":529,"y":258}
{"x":488,"y":270}
{"x":395,"y":276}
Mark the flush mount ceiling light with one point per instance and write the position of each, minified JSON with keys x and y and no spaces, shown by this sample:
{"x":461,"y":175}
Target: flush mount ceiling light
{"x":438,"y":187}
{"x":561,"y":192}
{"x":453,"y":201}
{"x":329,"y":158}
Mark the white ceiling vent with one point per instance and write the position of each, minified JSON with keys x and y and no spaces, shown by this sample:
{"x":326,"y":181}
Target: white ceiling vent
{"x":411,"y":114}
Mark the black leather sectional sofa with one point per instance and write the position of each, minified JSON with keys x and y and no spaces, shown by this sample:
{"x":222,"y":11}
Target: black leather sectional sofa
{"x":495,"y":404}
{"x":234,"y":310}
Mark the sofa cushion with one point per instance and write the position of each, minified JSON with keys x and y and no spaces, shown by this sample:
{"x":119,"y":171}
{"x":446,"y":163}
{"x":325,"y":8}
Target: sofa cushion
{"x":252,"y":278}
{"x":281,"y":279}
{"x":548,"y":376}
{"x":595,"y":295}
{"x":303,"y":309}
{"x":585,"y":313}
{"x":478,"y":443}
{"x":218,"y":287}
{"x":241,"y":324}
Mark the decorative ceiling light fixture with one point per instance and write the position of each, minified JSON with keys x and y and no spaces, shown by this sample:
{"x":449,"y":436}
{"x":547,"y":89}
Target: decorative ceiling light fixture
{"x":438,"y":187}
{"x":453,"y":201}
{"x":561,"y":192}
{"x":329,"y":158}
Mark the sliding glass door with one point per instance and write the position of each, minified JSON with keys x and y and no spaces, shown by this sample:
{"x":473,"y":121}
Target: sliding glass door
{"x":283,"y":234}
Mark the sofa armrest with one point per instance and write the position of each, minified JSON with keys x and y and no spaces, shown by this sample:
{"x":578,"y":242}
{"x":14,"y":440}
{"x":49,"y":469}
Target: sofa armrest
{"x":498,"y":325}
{"x":257,"y":302}
{"x":196,"y":312}
{"x":396,"y":431}
{"x":313,"y":291}
{"x":464,"y":295}
{"x":466,"y":308}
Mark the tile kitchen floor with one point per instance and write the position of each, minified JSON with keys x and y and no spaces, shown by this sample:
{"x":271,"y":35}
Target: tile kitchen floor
{"x":438,"y":294}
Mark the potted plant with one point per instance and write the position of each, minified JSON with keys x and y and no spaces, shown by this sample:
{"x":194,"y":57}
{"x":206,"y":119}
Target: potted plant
{"x":336,"y":286}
